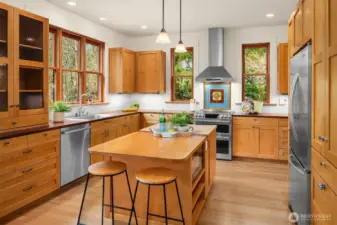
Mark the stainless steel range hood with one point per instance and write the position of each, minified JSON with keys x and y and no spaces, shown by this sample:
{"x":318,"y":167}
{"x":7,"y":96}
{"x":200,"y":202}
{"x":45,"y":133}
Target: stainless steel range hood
{"x":215,"y":72}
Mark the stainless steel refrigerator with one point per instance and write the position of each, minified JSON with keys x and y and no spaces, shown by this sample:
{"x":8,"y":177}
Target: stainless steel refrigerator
{"x":300,"y":134}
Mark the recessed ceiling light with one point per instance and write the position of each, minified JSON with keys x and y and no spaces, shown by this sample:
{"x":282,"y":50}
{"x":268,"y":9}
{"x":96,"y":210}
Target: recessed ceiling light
{"x":72,"y":3}
{"x":102,"y":19}
{"x":270,"y":15}
{"x":143,"y":27}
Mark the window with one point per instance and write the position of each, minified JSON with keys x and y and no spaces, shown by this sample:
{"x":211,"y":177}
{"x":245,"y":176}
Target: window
{"x":255,"y":69}
{"x":80,"y":69}
{"x":182,"y":75}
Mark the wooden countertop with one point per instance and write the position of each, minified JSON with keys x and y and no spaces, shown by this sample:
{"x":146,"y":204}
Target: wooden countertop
{"x":165,"y":111}
{"x":143,"y":144}
{"x":268,"y":115}
{"x":203,"y":130}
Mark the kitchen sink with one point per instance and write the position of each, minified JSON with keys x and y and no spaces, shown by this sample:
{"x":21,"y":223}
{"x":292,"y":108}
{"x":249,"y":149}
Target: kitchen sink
{"x":88,"y":117}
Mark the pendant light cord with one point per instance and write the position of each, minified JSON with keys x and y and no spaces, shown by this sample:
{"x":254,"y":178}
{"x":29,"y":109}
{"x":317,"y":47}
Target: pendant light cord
{"x":180,"y":18}
{"x":163,"y":14}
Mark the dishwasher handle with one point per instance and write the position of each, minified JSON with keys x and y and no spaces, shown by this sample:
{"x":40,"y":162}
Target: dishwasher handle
{"x":75,"y":131}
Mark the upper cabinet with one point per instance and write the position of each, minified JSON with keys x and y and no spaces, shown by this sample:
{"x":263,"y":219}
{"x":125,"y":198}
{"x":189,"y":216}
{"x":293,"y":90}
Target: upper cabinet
{"x":282,"y":68}
{"x":23,"y":68}
{"x":137,"y":72}
{"x":151,"y":72}
{"x":300,"y":26}
{"x":122,"y":70}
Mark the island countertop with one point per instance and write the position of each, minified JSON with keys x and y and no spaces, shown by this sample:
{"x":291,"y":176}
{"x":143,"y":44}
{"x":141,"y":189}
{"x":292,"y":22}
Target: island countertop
{"x":143,"y":144}
{"x":203,"y":130}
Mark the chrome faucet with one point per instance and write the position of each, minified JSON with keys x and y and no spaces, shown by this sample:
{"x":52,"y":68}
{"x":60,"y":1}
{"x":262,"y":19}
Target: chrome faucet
{"x":80,"y":110}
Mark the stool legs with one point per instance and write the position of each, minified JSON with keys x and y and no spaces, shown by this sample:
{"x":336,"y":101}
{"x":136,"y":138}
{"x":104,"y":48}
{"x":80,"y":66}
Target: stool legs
{"x":103,"y":201}
{"x":112,"y":200}
{"x":85,"y":191}
{"x":148,"y":204}
{"x":165,"y":203}
{"x":132,"y":199}
{"x":180,"y":206}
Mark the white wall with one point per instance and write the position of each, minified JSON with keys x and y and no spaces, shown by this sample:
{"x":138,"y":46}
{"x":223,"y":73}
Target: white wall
{"x":70,"y":21}
{"x":234,"y":38}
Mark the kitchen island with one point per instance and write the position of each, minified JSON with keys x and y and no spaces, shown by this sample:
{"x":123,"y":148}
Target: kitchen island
{"x":140,"y":150}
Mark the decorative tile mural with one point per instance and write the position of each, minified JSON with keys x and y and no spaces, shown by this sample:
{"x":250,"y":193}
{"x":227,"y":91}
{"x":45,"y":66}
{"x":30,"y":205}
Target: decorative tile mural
{"x":217,"y":96}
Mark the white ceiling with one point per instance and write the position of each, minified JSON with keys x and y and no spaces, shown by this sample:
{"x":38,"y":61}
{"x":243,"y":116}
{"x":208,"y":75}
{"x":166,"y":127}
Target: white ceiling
{"x":127,"y":16}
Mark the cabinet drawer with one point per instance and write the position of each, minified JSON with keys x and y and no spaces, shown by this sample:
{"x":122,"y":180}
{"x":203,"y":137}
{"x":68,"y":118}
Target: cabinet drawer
{"x":244,"y":120}
{"x":27,"y":157}
{"x":18,"y":195}
{"x":18,"y":176}
{"x":325,"y":169}
{"x":283,"y":132}
{"x":151,"y":117}
{"x":43,"y":137}
{"x":255,"y":121}
{"x":324,"y":200}
{"x":97,"y":125}
{"x":283,"y":154}
{"x":13,"y":144}
{"x":283,"y":122}
{"x":283,"y":144}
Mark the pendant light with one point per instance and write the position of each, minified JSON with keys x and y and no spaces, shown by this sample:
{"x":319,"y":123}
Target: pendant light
{"x":163,"y":37}
{"x":180,"y":47}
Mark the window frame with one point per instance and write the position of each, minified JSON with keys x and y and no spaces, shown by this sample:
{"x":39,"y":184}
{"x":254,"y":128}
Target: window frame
{"x":58,"y":67}
{"x":189,"y":49}
{"x":267,"y":75}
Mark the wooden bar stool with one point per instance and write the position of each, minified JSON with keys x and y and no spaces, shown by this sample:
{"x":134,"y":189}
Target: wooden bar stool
{"x":158,"y":176}
{"x":109,"y":169}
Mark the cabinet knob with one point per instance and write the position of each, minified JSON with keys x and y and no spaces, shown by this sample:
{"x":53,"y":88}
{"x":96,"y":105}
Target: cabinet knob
{"x":27,"y":188}
{"x":27,"y":171}
{"x":17,"y":105}
{"x":320,"y":138}
{"x":11,"y":106}
{"x":14,"y":123}
{"x":7,"y":143}
{"x":322,"y":163}
{"x":45,"y":134}
{"x":27,"y":151}
{"x":321,"y":187}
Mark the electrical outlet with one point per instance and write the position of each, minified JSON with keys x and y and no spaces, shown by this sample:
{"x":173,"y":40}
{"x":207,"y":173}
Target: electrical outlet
{"x":283,"y":100}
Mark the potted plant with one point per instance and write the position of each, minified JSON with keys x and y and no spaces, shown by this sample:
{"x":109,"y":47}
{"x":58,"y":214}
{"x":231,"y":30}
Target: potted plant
{"x":257,"y":93}
{"x":181,"y":121}
{"x":59,"y":108}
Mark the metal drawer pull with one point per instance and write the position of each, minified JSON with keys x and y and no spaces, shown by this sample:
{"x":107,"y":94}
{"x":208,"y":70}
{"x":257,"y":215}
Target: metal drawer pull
{"x":7,"y":143}
{"x":322,"y":163}
{"x":27,"y":171}
{"x":321,"y":187}
{"x":27,"y":151}
{"x":46,"y":134}
{"x":11,"y":106}
{"x":27,"y":189}
{"x":14,"y":123}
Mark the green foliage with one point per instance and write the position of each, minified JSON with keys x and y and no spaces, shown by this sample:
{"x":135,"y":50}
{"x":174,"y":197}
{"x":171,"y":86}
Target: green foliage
{"x":135,"y":105}
{"x":92,"y":57}
{"x":256,"y":88}
{"x":256,"y":60}
{"x":92,"y":86}
{"x":60,"y":107}
{"x":181,"y":119}
{"x":183,"y":72}
{"x":51,"y":92}
{"x":70,"y":87}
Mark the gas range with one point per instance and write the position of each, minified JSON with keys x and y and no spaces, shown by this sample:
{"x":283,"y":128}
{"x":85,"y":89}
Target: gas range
{"x":223,"y":121}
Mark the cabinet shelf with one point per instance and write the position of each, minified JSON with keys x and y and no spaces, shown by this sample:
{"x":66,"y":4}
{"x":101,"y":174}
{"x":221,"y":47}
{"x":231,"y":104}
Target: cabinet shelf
{"x":3,"y":91}
{"x":31,"y":91}
{"x":197,"y":193}
{"x":197,"y":179}
{"x":3,"y":41}
{"x":197,"y":210}
{"x":30,"y":47}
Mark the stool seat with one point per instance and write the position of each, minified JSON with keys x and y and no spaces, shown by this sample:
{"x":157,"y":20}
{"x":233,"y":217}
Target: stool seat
{"x":156,"y":176}
{"x":107,"y":168}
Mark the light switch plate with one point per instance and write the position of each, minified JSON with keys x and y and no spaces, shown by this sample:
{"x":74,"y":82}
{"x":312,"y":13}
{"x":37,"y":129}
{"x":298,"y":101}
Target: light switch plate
{"x":283,"y":100}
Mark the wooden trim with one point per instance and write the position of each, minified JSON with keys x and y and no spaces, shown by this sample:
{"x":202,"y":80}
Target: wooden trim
{"x":257,"y":45}
{"x":172,"y":55}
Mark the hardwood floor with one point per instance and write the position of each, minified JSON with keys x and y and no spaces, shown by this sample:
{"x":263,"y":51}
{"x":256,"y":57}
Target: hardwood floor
{"x":244,"y":193}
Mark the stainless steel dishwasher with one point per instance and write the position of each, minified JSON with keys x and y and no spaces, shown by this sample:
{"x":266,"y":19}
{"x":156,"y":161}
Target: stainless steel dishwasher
{"x":75,"y":158}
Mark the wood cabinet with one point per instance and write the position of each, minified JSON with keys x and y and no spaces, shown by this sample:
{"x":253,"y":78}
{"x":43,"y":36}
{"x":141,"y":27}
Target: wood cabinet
{"x":122,"y":70}
{"x":29,"y":169}
{"x":298,"y":27}
{"x":151,"y":72}
{"x":23,"y":68}
{"x":258,"y":138}
{"x":283,"y":68}
{"x":291,"y":36}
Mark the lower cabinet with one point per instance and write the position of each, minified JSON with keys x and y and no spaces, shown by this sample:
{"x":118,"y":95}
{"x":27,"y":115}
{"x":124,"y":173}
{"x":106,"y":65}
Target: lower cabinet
{"x":259,"y":138}
{"x":29,"y":169}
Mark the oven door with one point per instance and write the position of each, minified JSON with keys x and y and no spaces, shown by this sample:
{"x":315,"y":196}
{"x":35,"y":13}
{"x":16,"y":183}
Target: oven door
{"x":224,"y":148}
{"x":224,"y":128}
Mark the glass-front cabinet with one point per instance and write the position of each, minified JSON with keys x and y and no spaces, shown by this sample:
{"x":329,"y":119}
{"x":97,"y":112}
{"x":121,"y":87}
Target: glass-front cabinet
{"x":31,"y":71}
{"x":6,"y":63}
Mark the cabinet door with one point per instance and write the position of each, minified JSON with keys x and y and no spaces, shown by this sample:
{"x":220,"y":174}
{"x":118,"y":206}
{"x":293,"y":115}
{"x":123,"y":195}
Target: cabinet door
{"x":319,"y":81}
{"x":307,"y":19}
{"x":31,"y":63}
{"x":244,"y":140}
{"x":98,"y":136}
{"x":112,"y":133}
{"x":129,"y":60}
{"x":148,"y":72}
{"x":267,"y":139}
{"x":134,"y":123}
{"x":331,"y":124}
{"x":283,"y":68}
{"x":291,"y":37}
{"x":298,"y":28}
{"x":6,"y":65}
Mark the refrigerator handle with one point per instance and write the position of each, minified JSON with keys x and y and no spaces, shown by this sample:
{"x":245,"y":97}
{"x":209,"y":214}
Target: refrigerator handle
{"x":292,"y":163}
{"x":292,"y":92}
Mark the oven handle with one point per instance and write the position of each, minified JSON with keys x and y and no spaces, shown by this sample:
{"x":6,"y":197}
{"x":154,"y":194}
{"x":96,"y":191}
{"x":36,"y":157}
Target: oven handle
{"x":212,"y":122}
{"x":223,"y":138}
